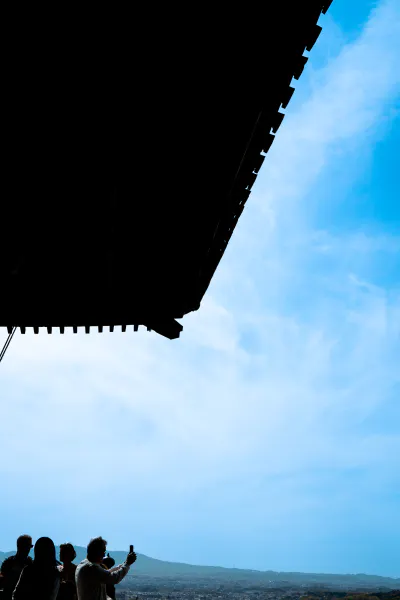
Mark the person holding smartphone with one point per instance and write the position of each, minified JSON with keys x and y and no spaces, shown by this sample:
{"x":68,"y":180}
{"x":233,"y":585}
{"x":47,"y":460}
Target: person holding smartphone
{"x":92,"y":579}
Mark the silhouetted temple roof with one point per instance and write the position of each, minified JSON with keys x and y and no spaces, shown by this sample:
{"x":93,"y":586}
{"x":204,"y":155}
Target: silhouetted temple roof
{"x":125,"y":174}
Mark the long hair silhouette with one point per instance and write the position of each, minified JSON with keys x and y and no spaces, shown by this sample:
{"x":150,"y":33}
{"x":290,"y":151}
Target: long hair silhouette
{"x":45,"y":553}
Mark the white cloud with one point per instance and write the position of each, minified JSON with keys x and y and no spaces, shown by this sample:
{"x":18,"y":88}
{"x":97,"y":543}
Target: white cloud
{"x":348,"y":100}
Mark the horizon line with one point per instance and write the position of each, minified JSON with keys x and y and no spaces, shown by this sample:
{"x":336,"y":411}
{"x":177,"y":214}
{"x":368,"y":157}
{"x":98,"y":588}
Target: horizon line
{"x":395,"y":578}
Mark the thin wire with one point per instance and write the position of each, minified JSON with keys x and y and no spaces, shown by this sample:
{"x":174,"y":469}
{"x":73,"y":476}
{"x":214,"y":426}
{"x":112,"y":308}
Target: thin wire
{"x":8,"y":341}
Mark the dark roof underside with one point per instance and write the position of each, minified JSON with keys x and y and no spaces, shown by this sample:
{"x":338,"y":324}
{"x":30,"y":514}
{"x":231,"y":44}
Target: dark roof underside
{"x":125,"y":175}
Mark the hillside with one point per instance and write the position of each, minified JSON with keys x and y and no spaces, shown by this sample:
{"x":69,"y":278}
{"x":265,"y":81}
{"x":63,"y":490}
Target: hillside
{"x":146,"y":566}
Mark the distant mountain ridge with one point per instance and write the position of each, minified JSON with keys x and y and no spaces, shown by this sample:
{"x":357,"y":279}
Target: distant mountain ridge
{"x":152,"y":567}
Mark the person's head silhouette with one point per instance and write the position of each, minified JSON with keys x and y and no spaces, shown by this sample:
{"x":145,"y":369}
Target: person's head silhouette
{"x":45,"y":553}
{"x":24,"y":545}
{"x":67,"y":553}
{"x":96,"y":550}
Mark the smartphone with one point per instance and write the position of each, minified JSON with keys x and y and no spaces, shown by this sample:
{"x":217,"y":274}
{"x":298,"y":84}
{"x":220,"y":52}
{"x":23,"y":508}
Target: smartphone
{"x":130,"y":549}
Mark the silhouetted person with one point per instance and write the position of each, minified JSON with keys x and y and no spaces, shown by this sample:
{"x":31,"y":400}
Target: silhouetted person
{"x":91,"y":578}
{"x":108,"y":563}
{"x":41,"y":579}
{"x":12,"y":566}
{"x":67,"y":589}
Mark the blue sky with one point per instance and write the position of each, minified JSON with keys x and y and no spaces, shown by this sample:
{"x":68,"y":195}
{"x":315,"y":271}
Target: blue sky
{"x":268,"y":436}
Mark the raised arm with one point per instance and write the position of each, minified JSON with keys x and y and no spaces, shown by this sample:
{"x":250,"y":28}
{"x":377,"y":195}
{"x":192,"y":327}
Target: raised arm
{"x":114,"y":569}
{"x":113,"y":576}
{"x":116,"y":574}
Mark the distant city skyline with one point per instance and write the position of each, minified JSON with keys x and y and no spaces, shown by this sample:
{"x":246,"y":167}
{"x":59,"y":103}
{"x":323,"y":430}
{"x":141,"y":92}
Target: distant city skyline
{"x":268,"y":436}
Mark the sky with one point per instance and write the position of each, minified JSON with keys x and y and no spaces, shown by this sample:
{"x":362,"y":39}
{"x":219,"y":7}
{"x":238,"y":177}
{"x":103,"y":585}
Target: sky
{"x":268,"y":435}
